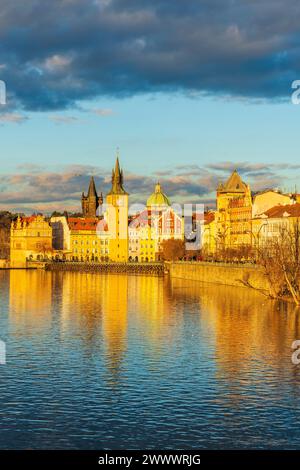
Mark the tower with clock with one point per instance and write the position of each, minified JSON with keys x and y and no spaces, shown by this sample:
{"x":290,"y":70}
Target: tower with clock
{"x":117,"y":216}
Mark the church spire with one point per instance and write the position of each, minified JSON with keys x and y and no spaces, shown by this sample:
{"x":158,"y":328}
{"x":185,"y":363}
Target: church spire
{"x":92,"y":188}
{"x":92,"y":201}
{"x":117,"y":179}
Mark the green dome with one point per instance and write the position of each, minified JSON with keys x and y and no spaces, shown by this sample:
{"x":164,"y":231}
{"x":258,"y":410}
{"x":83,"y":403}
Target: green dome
{"x":158,"y":198}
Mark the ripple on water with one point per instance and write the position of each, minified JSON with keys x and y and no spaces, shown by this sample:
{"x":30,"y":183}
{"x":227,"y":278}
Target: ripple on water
{"x":100,"y":361}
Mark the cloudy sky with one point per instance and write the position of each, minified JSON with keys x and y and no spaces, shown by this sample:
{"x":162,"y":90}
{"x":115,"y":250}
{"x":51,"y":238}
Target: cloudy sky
{"x":188,"y":90}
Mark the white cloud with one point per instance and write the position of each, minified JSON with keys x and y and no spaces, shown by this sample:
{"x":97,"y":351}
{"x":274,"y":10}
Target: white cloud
{"x":13,"y":118}
{"x":57,"y":62}
{"x":104,"y":112}
{"x":63,"y":119}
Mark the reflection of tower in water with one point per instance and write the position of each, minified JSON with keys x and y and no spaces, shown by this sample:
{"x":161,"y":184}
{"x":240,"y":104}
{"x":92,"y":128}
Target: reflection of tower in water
{"x":150,"y":306}
{"x":94,"y":308}
{"x":114,"y":323}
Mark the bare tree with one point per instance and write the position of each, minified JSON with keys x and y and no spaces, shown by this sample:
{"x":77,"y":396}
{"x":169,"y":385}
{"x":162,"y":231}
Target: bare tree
{"x":280,"y":258}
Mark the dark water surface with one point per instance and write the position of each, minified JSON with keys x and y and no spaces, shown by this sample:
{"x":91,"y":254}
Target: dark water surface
{"x":112,"y":362}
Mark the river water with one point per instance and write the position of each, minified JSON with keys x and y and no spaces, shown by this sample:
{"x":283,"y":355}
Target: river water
{"x":136,"y":362}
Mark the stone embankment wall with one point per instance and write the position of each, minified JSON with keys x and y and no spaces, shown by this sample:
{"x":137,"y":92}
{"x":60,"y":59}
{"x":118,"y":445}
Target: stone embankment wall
{"x":117,"y":268}
{"x":245,"y":275}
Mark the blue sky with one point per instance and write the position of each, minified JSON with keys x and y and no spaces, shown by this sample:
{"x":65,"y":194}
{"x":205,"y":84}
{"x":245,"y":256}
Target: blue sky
{"x":186,"y":91}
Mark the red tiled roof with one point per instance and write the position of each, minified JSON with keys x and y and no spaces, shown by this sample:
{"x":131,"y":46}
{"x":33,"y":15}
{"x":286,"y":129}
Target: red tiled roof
{"x":27,"y":220}
{"x":89,"y":224}
{"x":293,"y":210}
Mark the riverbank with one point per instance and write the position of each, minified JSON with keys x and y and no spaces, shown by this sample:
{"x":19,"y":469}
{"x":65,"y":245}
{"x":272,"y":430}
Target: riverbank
{"x":236,"y":275}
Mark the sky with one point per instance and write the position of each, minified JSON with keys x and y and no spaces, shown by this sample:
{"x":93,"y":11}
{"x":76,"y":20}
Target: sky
{"x":187,"y":91}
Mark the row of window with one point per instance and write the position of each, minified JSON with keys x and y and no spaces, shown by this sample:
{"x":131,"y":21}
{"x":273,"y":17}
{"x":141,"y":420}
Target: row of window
{"x":93,"y":242}
{"x":94,"y":250}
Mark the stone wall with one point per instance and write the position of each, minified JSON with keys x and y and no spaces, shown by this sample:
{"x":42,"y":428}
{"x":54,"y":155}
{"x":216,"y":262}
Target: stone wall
{"x":131,"y":268}
{"x":221,"y":273}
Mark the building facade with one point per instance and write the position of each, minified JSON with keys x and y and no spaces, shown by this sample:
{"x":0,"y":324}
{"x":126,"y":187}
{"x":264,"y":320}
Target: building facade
{"x":116,"y":215}
{"x":30,"y":240}
{"x":275,"y":223}
{"x":148,"y":230}
{"x":234,"y":214}
{"x":89,"y":240}
{"x":241,"y":221}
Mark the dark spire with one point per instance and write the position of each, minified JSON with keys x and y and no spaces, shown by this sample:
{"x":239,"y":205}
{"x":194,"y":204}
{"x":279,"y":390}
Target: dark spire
{"x":91,"y":202}
{"x":117,"y":179}
{"x":92,"y":188}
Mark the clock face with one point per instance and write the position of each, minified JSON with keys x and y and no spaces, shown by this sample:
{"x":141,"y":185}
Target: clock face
{"x":120,"y":202}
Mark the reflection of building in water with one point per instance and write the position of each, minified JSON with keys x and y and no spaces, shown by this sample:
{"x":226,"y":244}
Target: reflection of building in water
{"x":252,"y":334}
{"x":81,"y":309}
{"x":114,"y":322}
{"x":30,"y":239}
{"x":94,"y":308}
{"x":150,"y":305}
{"x":30,"y":296}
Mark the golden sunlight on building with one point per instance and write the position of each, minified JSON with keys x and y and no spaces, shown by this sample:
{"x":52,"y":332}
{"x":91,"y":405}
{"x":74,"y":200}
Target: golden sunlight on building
{"x":209,"y":235}
{"x":270,"y":225}
{"x":148,"y":230}
{"x":239,"y":223}
{"x":107,"y":234}
{"x":234,"y":213}
{"x":265,"y":200}
{"x":89,"y":240}
{"x":30,"y":239}
{"x":117,"y":217}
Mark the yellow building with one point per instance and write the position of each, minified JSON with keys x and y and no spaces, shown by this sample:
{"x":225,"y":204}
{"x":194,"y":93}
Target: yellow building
{"x":142,"y":238}
{"x":209,"y":234}
{"x":30,"y":239}
{"x":117,"y":217}
{"x":234,"y":213}
{"x":265,"y":200}
{"x":148,"y":243}
{"x":148,"y":230}
{"x":165,"y":222}
{"x":270,"y":225}
{"x":89,"y":239}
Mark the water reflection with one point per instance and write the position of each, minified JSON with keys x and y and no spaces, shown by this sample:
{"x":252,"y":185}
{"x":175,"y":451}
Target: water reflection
{"x":190,"y":354}
{"x":30,"y":301}
{"x":244,"y":323}
{"x":247,"y":326}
